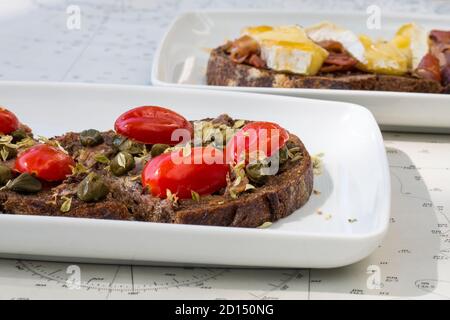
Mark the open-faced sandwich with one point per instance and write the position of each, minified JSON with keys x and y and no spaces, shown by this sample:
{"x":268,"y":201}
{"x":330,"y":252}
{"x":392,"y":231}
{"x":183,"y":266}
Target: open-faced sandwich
{"x":156,"y":166}
{"x":326,"y":56}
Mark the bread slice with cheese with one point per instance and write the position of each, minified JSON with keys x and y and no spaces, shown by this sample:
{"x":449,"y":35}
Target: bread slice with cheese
{"x":222,"y":71}
{"x":327,"y":56}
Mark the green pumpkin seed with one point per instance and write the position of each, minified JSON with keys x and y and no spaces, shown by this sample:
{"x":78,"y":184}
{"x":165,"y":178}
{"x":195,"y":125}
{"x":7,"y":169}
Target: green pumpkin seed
{"x":26,"y":143}
{"x":297,"y":157}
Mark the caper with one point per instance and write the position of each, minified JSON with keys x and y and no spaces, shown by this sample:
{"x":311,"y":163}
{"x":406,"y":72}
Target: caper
{"x":158,"y":149}
{"x":5,"y":175}
{"x":92,"y":188}
{"x":117,"y":141}
{"x":254,"y":172}
{"x":25,"y":183}
{"x":8,"y":153}
{"x":19,"y":135}
{"x":122,"y":163}
{"x":91,"y":138}
{"x":132,"y":147}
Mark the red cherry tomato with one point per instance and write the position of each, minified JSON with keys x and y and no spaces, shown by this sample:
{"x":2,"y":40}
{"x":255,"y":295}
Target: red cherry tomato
{"x":152,"y":125}
{"x":265,"y":138}
{"x":8,"y":121}
{"x":202,"y":171}
{"x":45,"y":162}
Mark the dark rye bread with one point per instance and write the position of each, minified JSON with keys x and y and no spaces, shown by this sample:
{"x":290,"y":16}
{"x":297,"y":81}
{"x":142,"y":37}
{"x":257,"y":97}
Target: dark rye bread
{"x":281,"y":195}
{"x":222,"y":71}
{"x":43,"y":204}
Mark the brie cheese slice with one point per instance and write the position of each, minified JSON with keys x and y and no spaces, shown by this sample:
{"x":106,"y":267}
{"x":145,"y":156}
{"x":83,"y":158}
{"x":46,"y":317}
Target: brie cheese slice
{"x":288,"y":48}
{"x":329,"y":31}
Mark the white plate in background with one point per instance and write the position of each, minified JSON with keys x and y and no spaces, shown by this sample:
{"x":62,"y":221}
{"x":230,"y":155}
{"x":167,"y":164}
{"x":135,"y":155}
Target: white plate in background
{"x":355,"y":183}
{"x":182,"y":57}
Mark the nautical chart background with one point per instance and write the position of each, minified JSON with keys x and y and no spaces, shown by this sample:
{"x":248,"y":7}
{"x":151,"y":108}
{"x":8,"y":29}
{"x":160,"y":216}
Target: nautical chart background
{"x":115,"y":44}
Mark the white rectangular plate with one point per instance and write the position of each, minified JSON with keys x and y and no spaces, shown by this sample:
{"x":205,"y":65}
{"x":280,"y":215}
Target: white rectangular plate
{"x":354,"y":185}
{"x":182,"y":58}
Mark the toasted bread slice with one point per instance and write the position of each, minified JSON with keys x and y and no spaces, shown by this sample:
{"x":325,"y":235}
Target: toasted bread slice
{"x":278,"y":197}
{"x":222,"y":71}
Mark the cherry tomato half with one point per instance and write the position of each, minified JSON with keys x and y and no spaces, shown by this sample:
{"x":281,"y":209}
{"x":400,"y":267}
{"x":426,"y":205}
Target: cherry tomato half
{"x":45,"y":162}
{"x":202,"y":171}
{"x":265,"y":138}
{"x":8,"y":121}
{"x":150,"y":125}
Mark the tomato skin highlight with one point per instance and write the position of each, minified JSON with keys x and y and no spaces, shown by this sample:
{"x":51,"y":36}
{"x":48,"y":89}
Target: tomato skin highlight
{"x":8,"y":121}
{"x":256,"y":136}
{"x":200,"y":174}
{"x":45,"y":162}
{"x":151,"y":125}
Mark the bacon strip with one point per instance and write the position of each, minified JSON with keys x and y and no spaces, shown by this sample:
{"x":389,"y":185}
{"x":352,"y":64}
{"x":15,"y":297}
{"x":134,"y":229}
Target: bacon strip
{"x":256,"y":61}
{"x":338,"y":62}
{"x":243,"y":50}
{"x":440,"y":36}
{"x":440,"y":45}
{"x":429,"y":68}
{"x":338,"y":58}
{"x":332,"y":46}
{"x":440,"y":49}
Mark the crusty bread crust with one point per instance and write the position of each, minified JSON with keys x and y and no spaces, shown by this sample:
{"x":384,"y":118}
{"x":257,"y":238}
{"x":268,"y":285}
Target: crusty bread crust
{"x":222,"y":71}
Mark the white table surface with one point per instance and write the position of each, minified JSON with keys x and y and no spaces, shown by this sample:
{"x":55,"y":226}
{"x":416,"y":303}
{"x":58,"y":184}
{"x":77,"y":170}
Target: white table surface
{"x":115,"y":44}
